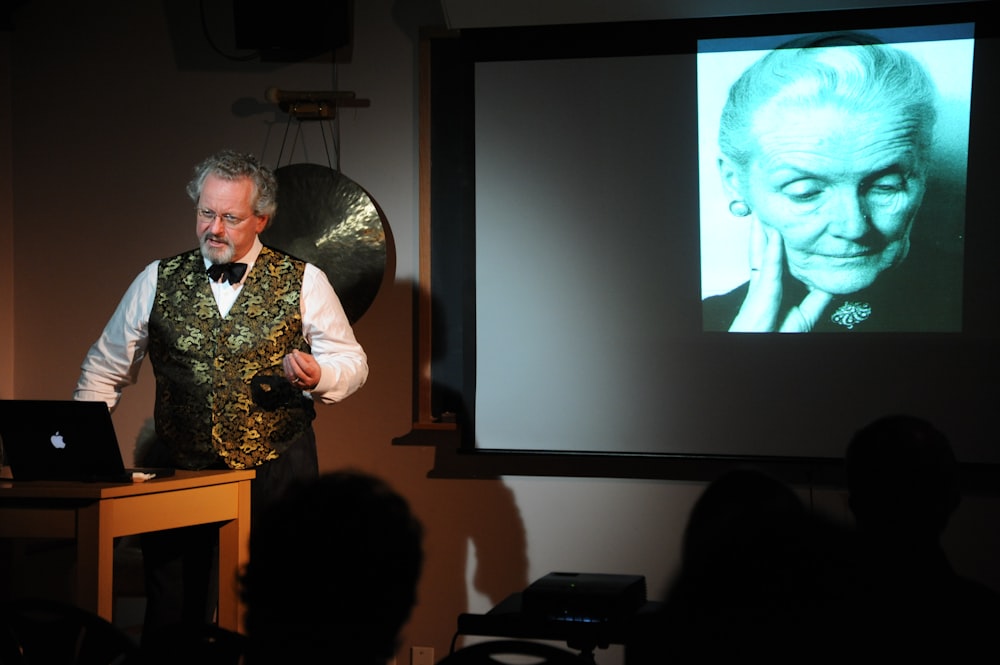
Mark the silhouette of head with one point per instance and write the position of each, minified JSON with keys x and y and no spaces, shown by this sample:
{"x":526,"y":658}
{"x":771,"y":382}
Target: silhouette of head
{"x":333,"y":572}
{"x":902,"y":478}
{"x":759,"y":577}
{"x":742,"y":503}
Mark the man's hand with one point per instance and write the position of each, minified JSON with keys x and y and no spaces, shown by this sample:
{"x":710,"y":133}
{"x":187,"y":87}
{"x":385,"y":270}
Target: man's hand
{"x":302,"y":370}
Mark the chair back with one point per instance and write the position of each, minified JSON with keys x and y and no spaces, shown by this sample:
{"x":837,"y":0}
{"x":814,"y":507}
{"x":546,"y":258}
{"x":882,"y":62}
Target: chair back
{"x":514,"y":652}
{"x":42,"y":631}
{"x":199,"y":644}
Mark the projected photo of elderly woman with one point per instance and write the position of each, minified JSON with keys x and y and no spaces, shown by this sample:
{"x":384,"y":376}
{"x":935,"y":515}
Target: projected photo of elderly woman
{"x":826,"y":158}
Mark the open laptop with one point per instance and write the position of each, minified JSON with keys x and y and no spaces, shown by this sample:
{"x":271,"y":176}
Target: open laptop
{"x":64,"y":440}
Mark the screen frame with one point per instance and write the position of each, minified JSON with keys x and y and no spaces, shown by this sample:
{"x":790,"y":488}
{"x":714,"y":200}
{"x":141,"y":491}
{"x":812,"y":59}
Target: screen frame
{"x":445,"y":344}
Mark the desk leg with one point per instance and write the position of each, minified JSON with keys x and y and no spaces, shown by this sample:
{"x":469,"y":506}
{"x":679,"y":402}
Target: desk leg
{"x":234,"y":552}
{"x":95,"y":558}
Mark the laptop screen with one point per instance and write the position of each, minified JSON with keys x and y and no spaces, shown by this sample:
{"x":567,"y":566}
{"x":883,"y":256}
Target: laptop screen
{"x":60,"y":440}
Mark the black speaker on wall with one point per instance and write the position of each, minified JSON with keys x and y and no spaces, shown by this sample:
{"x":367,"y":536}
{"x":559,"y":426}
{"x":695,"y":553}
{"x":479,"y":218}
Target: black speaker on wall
{"x":291,"y":31}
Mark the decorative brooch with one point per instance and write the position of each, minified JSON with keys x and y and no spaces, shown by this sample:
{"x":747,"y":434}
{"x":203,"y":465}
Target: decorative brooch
{"x":851,"y":314}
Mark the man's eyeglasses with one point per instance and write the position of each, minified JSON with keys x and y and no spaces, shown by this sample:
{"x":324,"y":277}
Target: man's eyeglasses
{"x":208,"y":216}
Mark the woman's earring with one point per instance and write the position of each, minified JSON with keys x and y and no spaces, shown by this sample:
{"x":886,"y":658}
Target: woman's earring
{"x":739,"y":208}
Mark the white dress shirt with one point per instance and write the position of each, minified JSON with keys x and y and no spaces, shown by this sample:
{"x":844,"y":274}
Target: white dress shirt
{"x":113,"y":362}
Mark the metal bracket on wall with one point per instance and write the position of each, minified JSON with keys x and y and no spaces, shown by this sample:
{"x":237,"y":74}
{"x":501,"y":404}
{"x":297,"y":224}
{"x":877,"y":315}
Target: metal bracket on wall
{"x":312,"y":104}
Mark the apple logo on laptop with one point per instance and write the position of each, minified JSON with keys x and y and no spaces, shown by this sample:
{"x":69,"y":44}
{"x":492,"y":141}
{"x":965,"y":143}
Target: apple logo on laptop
{"x":57,"y":441}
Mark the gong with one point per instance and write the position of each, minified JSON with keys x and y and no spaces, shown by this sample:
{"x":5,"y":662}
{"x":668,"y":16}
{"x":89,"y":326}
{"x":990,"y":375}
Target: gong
{"x":327,"y":219}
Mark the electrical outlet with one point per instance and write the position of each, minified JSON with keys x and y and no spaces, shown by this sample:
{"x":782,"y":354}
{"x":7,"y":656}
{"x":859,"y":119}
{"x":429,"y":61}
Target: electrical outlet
{"x":421,"y":655}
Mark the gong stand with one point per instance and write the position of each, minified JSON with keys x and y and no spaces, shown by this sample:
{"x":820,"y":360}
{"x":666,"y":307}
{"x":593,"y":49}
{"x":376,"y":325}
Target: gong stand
{"x":323,"y":216}
{"x":305,"y":105}
{"x":313,"y":104}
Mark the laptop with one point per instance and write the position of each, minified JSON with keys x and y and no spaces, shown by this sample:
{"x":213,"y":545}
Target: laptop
{"x":64,"y":440}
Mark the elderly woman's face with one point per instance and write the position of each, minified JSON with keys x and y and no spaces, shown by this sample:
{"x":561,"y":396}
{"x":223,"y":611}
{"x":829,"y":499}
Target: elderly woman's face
{"x":841,"y":187}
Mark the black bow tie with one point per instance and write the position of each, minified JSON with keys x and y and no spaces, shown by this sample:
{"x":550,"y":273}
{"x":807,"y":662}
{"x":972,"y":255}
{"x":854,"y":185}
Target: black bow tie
{"x":229,"y":272}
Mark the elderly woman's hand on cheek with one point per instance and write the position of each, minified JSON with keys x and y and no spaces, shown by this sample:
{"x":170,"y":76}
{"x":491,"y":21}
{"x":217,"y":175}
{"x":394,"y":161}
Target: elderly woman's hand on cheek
{"x":761,"y":311}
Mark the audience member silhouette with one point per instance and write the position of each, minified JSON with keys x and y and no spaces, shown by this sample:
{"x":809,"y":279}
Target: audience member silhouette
{"x":333,"y":573}
{"x":762,"y":578}
{"x":903,"y":484}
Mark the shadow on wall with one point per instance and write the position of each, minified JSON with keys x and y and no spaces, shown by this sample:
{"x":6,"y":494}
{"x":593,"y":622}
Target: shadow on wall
{"x":483,"y":516}
{"x":476,"y":541}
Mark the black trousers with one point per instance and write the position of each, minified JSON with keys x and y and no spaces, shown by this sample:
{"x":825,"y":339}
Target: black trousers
{"x":181,"y":565}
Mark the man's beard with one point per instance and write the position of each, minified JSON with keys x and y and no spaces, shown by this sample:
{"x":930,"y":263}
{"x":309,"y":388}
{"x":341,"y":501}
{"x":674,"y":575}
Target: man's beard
{"x":222,"y":255}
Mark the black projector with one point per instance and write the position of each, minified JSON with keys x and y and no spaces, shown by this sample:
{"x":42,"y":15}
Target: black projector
{"x":584,"y":597}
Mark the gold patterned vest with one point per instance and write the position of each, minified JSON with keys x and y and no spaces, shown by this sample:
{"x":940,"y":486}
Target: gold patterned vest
{"x":221,"y":392}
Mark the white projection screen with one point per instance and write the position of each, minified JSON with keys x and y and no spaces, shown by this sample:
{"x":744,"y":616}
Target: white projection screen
{"x":579,"y":222}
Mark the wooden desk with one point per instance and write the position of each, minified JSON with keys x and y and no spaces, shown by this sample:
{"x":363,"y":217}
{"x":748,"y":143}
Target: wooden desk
{"x":94,"y":514}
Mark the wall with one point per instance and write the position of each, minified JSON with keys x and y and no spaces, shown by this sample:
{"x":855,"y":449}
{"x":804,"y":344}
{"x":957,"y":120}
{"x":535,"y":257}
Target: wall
{"x":112,"y":104}
{"x":6,"y":225}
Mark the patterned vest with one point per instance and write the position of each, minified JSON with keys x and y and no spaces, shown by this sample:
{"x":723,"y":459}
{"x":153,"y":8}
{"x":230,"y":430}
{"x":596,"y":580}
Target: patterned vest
{"x":221,"y":392}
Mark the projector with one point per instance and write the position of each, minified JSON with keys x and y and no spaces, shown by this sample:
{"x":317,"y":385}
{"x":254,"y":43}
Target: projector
{"x":584,"y":597}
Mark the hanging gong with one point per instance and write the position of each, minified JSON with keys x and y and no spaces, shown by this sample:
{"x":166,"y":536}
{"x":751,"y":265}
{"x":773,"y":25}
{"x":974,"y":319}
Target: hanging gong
{"x":327,"y":219}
